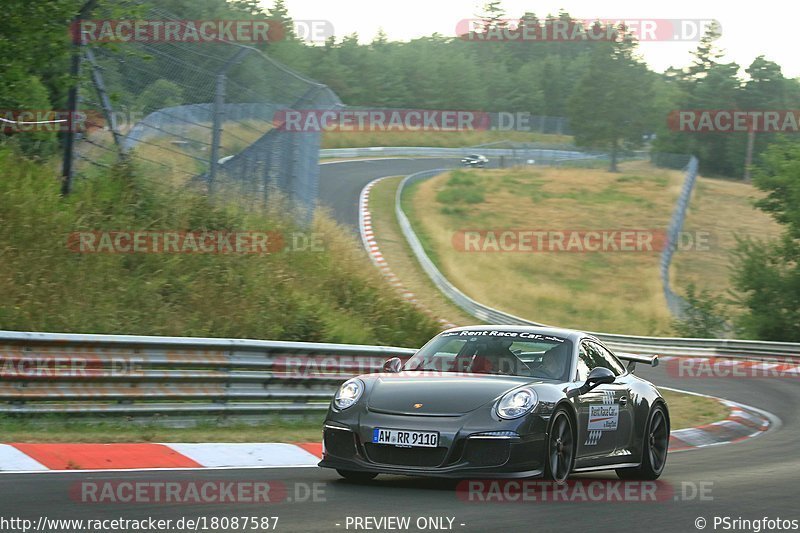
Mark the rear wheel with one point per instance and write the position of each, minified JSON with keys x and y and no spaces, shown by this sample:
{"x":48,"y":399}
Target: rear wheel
{"x":654,"y":453}
{"x":560,"y":447}
{"x":359,"y":477}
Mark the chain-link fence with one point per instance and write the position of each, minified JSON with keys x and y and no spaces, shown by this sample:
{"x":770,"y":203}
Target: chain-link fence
{"x":196,"y":112}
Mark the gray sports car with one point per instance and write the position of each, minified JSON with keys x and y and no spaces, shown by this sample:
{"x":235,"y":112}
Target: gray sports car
{"x":500,"y":402}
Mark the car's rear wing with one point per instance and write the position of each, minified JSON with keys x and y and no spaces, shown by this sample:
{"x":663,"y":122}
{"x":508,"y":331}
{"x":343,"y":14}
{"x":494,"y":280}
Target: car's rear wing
{"x":632,"y":359}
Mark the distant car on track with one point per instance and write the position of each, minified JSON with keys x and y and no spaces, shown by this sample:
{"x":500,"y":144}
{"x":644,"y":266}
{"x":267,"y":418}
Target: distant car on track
{"x":500,"y":402}
{"x":475,"y":160}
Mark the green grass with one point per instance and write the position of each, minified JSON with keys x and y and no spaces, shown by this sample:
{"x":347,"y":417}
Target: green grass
{"x":308,"y":429}
{"x":410,"y":210}
{"x":397,"y":252}
{"x":461,"y":188}
{"x":688,"y":410}
{"x":334,"y":295}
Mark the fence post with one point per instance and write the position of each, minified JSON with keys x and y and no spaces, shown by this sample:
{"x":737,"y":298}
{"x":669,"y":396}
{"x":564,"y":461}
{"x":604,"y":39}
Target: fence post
{"x":105,"y":101}
{"x":748,"y":160}
{"x":72,"y":97}
{"x":218,"y":114}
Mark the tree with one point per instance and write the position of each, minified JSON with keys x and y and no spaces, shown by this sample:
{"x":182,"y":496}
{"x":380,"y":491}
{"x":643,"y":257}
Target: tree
{"x":779,"y":176}
{"x":279,"y":12}
{"x":35,"y":41}
{"x":248,"y":7}
{"x":767,"y":89}
{"x":609,"y":108}
{"x":766,"y":275}
{"x":493,"y":15}
{"x":706,"y":55}
{"x":160,"y":94}
{"x":706,"y":84}
{"x":704,"y":318}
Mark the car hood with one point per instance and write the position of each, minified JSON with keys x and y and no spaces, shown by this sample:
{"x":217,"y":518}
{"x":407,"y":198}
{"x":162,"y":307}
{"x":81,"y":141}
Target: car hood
{"x":440,"y":395}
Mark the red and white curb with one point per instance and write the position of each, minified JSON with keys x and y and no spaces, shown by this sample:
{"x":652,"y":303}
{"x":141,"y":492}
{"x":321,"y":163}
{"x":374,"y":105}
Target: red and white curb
{"x":374,"y":251}
{"x":24,"y":457}
{"x":743,"y":422}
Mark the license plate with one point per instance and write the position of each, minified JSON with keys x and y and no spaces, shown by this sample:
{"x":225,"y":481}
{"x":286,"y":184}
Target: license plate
{"x":405,"y":439}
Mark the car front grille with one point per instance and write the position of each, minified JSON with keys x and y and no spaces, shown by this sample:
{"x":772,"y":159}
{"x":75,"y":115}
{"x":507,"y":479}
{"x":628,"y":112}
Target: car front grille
{"x":392,"y":455}
{"x":487,"y":452}
{"x":339,"y":442}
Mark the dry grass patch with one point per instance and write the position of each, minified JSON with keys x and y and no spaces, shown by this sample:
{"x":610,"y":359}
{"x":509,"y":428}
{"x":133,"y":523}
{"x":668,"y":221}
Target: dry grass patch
{"x":439,"y":139}
{"x":688,"y":410}
{"x":610,"y":291}
{"x":614,"y":292}
{"x":724,"y":210}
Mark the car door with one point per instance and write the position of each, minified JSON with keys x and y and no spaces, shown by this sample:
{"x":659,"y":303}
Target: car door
{"x":625,"y":400}
{"x":600,"y":410}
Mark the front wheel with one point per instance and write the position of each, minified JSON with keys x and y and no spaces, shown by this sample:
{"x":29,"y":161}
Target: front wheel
{"x":358,"y":477}
{"x":560,"y":448}
{"x":654,"y":448}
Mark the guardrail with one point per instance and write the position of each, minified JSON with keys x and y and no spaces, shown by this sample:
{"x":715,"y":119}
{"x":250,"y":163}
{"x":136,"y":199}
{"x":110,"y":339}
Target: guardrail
{"x":676,"y":303}
{"x":622,"y":343}
{"x":91,"y":374}
{"x":68,"y":374}
{"x":554,"y":153}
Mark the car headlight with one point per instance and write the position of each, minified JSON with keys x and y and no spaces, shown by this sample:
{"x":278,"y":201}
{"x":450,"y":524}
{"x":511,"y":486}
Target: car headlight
{"x":517,"y":403}
{"x":348,"y":393}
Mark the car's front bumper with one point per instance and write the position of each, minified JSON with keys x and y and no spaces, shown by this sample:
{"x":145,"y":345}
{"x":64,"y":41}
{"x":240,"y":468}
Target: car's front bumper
{"x":517,"y":450}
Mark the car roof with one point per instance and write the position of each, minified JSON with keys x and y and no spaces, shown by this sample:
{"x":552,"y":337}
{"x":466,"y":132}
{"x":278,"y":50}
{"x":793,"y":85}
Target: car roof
{"x":569,"y":334}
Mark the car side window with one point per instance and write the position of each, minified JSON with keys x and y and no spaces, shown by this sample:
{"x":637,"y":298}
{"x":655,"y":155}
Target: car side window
{"x":591,"y":356}
{"x":584,"y":363}
{"x":611,"y":362}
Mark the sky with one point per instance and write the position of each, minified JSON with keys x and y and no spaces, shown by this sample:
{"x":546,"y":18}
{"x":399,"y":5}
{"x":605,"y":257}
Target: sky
{"x":745,"y":34}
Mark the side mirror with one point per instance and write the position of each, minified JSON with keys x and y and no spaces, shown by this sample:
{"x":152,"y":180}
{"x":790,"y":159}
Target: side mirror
{"x":598,"y":376}
{"x":393,"y":365}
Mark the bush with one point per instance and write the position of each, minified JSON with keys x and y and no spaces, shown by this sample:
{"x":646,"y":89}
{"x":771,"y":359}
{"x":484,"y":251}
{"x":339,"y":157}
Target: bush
{"x":461,"y":188}
{"x":333,"y":295}
{"x":160,"y":94}
{"x":705,"y":316}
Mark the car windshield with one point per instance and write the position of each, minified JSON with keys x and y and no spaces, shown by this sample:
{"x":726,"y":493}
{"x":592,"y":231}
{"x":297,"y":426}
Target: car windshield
{"x":514,"y":353}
